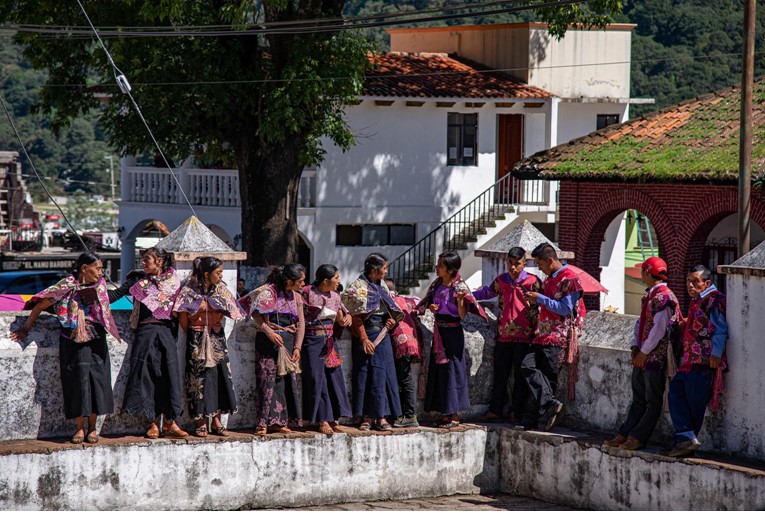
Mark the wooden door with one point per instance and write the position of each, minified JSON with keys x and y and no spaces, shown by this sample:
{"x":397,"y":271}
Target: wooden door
{"x":509,"y":151}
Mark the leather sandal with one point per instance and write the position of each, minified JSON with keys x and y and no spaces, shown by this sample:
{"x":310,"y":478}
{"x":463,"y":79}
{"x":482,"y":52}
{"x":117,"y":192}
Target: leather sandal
{"x":92,"y":437}
{"x":201,"y":430}
{"x":383,"y":426}
{"x":77,"y":439}
{"x":324,"y":428}
{"x":174,"y":432}
{"x":365,"y":426}
{"x":219,"y":431}
{"x":153,"y":432}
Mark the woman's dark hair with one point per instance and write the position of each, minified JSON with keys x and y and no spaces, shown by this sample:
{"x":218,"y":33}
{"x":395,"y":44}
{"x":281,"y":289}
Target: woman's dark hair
{"x":84,"y":259}
{"x":452,"y":261}
{"x":204,"y":265}
{"x":516,"y":252}
{"x":159,"y":253}
{"x":281,"y":274}
{"x":324,"y":272}
{"x":374,"y":261}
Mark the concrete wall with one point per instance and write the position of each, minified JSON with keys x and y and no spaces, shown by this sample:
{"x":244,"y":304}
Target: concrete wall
{"x":744,"y":402}
{"x":30,"y":391}
{"x":30,"y":384}
{"x":612,"y":265}
{"x":584,"y":63}
{"x":576,"y":471}
{"x":250,"y":472}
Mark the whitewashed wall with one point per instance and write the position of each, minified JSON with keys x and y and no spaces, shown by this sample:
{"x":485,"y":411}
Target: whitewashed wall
{"x":744,"y":400}
{"x":612,"y":265}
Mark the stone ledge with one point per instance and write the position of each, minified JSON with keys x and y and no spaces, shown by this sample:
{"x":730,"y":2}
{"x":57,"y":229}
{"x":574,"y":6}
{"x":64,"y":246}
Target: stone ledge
{"x":310,"y":469}
{"x":285,"y":470}
{"x":575,"y":469}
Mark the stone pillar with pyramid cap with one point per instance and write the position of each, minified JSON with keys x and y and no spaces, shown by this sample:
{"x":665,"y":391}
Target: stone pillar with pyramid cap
{"x":193,"y":239}
{"x":525,"y":235}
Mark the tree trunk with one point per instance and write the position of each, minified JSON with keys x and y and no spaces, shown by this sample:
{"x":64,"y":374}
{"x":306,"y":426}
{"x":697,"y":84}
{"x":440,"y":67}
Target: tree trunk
{"x":269,"y":179}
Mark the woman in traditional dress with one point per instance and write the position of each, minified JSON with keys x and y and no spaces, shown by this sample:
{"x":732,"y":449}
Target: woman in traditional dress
{"x":374,"y":313}
{"x":202,"y":307}
{"x":324,"y":396}
{"x":81,"y":304}
{"x":277,"y":310}
{"x":154,"y":381}
{"x":449,"y":298}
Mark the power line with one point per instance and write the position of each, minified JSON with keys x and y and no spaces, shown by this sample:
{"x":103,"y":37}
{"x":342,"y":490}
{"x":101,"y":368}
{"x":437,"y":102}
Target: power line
{"x":293,"y":30}
{"x":266,"y":25}
{"x":124,"y":86}
{"x":32,"y":165}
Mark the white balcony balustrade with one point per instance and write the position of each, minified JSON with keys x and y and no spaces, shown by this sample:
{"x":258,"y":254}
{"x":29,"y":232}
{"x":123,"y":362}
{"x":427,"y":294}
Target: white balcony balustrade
{"x":205,"y":187}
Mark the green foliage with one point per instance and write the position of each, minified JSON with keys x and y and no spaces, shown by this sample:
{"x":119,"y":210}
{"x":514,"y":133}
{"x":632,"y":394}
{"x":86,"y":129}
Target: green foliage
{"x":74,"y":153}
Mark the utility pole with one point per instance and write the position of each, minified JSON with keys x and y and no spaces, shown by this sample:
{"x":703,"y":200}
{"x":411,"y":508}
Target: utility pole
{"x":111,"y":171}
{"x":745,"y":146}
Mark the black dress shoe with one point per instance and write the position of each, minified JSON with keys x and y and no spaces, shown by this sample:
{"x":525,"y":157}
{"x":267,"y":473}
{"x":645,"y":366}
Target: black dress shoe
{"x":550,"y":416}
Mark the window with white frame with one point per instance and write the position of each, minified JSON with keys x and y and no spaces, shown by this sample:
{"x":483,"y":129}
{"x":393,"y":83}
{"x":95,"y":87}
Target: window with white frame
{"x":462,"y":139}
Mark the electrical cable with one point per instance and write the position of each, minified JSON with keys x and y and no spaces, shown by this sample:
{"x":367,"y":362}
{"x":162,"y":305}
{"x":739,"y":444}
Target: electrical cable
{"x":287,"y":23}
{"x":34,"y":169}
{"x":124,"y":86}
{"x":297,"y":30}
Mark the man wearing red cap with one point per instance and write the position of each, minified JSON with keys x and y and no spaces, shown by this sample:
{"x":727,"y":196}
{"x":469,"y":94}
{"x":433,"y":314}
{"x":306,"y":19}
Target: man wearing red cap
{"x":652,"y":356}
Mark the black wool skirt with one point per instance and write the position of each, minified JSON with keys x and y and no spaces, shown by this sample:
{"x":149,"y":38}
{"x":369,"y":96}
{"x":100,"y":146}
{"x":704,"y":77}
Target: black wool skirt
{"x":86,"y":375}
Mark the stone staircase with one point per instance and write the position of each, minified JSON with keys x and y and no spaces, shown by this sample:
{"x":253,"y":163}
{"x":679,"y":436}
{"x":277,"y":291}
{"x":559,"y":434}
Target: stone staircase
{"x":475,"y":224}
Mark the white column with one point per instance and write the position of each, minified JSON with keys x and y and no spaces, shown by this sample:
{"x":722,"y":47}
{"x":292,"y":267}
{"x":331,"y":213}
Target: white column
{"x":127,"y":257}
{"x":551,"y":122}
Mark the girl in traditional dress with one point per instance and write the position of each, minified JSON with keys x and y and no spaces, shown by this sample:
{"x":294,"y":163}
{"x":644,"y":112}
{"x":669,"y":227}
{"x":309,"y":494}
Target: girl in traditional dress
{"x":81,"y":304}
{"x":277,"y":310}
{"x":202,"y":307}
{"x":324,"y":396}
{"x":449,"y":298}
{"x":375,"y":386}
{"x":154,"y":381}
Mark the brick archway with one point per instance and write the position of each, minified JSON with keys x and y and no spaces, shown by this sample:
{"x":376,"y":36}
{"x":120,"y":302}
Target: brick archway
{"x":683,"y":215}
{"x":596,"y":212}
{"x":712,"y":209}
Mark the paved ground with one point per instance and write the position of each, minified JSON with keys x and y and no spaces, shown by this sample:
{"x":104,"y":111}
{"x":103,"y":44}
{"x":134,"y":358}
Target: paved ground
{"x":457,"y":502}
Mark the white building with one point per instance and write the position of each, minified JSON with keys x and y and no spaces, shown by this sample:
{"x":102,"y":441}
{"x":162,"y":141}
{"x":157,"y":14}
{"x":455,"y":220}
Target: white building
{"x":442,"y":119}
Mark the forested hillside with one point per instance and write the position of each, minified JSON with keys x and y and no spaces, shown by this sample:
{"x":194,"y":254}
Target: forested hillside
{"x":680,"y":48}
{"x":75,"y":157}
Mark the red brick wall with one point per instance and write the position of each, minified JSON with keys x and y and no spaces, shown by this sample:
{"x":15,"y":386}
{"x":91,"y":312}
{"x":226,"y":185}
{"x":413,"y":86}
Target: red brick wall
{"x":682,"y":214}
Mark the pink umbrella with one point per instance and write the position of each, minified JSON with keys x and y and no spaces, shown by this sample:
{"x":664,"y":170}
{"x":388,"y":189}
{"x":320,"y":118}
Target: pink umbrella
{"x":589,"y":284}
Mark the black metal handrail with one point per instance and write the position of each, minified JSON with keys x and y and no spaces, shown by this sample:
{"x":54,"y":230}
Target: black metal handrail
{"x":464,"y":226}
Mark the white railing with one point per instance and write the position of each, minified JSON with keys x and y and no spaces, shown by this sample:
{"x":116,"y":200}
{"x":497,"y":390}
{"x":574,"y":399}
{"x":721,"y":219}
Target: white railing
{"x":215,"y":188}
{"x":307,"y":190}
{"x":207,"y":187}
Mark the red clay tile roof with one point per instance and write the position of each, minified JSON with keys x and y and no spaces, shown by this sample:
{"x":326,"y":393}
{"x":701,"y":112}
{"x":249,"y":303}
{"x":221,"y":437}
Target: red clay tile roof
{"x":432,"y":75}
{"x":696,"y":140}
